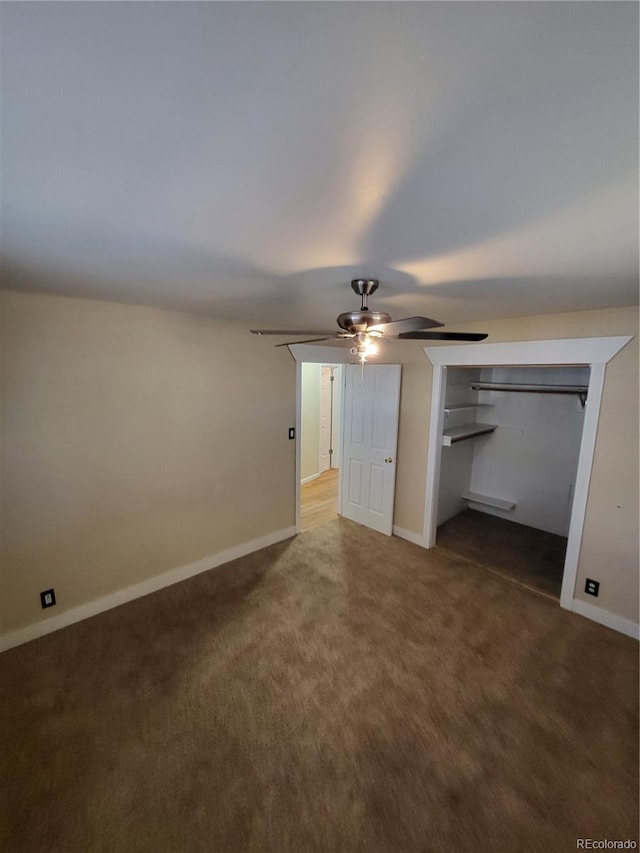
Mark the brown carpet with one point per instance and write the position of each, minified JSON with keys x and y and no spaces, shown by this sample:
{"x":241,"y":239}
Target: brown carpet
{"x":525,"y":554}
{"x":342,"y":691}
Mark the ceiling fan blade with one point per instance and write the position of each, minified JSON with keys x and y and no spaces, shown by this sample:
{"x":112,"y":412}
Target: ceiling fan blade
{"x":443,"y":336}
{"x":291,"y":332}
{"x":408,"y":324}
{"x":307,"y":341}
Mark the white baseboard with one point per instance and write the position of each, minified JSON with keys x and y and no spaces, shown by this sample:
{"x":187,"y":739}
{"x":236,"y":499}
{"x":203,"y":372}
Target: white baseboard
{"x":597,"y":614}
{"x":409,"y":535}
{"x":115,"y":599}
{"x":130,"y":593}
{"x":309,"y":479}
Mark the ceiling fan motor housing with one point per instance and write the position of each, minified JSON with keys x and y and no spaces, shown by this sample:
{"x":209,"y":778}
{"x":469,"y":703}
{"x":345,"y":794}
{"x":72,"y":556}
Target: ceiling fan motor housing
{"x":360,"y":321}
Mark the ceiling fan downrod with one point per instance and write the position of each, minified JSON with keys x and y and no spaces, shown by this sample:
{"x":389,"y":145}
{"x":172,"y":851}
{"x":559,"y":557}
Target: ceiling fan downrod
{"x":364,"y":318}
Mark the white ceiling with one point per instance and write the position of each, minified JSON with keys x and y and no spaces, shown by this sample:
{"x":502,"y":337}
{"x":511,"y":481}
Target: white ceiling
{"x":248,"y":159}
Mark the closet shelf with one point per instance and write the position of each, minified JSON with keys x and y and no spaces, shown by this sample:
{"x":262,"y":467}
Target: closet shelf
{"x":451,"y":436}
{"x":497,"y":503}
{"x":461,"y":407}
{"x":579,"y":390}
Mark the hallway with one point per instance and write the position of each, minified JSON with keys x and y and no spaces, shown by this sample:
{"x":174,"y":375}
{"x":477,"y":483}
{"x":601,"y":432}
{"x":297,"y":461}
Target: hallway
{"x":319,"y":500}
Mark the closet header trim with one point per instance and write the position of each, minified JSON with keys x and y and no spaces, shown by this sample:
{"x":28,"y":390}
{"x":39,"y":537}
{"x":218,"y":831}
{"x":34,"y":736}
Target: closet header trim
{"x":572,"y":352}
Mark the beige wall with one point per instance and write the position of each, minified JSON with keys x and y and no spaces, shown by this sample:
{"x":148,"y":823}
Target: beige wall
{"x":134,"y":441}
{"x":610,"y":542}
{"x":310,"y":420}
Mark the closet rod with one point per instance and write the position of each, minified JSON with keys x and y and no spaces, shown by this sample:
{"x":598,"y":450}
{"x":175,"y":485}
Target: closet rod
{"x":579,"y":390}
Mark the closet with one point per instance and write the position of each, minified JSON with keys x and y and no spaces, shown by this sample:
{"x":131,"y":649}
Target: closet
{"x":510,"y":446}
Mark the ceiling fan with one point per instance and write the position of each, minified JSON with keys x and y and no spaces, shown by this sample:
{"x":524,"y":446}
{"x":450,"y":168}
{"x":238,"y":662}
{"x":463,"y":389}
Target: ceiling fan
{"x":365,"y":326}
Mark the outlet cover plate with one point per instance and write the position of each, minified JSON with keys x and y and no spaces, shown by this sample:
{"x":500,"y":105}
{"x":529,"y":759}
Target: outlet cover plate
{"x":47,"y":598}
{"x":592,"y":587}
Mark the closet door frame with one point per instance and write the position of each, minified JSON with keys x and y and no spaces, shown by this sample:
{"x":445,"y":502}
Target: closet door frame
{"x":584,"y":352}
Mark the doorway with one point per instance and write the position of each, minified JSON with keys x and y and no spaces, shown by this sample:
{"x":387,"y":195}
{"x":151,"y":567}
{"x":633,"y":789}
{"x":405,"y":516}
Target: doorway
{"x":320,"y":421}
{"x":368,"y":484}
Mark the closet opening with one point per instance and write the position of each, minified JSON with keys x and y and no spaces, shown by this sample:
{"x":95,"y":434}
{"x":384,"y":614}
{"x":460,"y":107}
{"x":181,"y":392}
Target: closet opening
{"x":511,"y":438}
{"x":320,"y":419}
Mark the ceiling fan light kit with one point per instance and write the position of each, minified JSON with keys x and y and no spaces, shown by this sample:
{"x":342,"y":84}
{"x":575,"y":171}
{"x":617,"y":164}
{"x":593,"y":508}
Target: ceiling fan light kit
{"x":365,"y":325}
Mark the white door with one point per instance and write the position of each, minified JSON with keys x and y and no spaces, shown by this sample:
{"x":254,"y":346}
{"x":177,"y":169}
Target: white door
{"x":368,"y":467}
{"x":326,"y":387}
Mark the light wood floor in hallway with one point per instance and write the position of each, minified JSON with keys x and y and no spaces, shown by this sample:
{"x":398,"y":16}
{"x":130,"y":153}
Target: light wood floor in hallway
{"x":319,"y":500}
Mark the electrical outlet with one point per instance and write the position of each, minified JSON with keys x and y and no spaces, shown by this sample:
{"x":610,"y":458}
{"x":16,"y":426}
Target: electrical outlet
{"x":47,"y":598}
{"x":592,"y":587}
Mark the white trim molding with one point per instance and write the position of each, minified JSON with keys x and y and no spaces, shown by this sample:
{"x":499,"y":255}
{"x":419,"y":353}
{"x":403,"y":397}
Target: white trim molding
{"x":610,"y":620}
{"x":309,"y":478}
{"x":568,"y":351}
{"x":130,"y":593}
{"x":316,"y":354}
{"x":592,"y":352}
{"x":409,"y":535}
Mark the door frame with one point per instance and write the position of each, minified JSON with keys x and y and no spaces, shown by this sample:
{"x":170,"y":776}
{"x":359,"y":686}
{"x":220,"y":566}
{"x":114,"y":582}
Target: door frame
{"x":590,"y":352}
{"x":333,"y":408}
{"x":314,"y":354}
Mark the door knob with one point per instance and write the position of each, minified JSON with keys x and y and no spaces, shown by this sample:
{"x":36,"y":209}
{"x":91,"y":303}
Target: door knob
{"x":388,"y":459}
